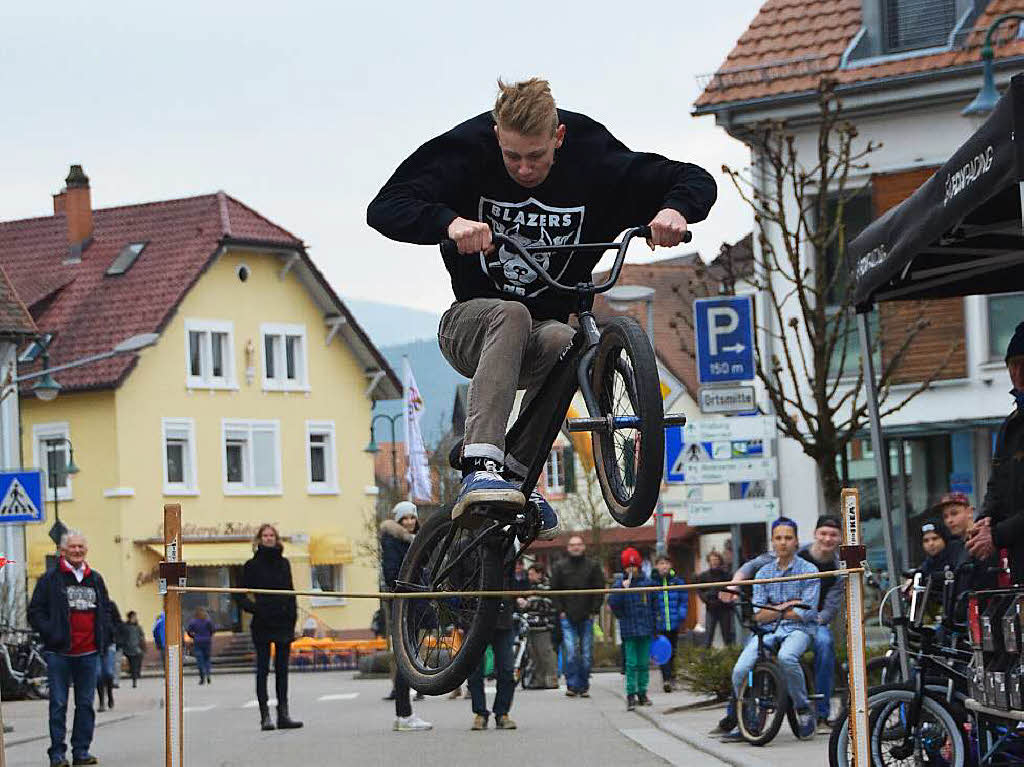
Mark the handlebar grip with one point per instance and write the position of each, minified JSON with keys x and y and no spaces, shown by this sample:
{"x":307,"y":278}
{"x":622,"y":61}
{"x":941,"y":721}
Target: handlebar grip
{"x":645,"y":233}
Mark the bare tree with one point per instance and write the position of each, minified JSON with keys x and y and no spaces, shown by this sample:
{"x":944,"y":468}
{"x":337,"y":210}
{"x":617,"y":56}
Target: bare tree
{"x":585,"y":509}
{"x":806,"y":349}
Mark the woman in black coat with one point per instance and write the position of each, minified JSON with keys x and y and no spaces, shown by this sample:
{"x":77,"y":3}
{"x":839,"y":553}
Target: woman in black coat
{"x":273,"y":621}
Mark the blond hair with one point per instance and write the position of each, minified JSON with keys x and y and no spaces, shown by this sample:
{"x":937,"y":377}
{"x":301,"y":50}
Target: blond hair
{"x":526,"y":107}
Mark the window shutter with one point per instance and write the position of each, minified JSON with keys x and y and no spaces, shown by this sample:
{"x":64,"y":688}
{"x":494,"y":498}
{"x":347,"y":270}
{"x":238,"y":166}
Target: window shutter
{"x":569,"y":462}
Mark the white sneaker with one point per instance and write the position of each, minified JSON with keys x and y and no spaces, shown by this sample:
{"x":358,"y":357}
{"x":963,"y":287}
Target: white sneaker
{"x":411,"y":723}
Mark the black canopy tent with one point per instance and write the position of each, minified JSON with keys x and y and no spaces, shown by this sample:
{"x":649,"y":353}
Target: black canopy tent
{"x":959,"y":234}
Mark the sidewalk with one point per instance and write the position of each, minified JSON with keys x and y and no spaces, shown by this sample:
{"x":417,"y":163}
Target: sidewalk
{"x":693,"y":725}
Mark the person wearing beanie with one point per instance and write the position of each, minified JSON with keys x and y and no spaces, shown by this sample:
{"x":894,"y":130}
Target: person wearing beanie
{"x":1000,"y":523}
{"x":635,"y":613}
{"x":796,"y":627}
{"x":396,"y":536}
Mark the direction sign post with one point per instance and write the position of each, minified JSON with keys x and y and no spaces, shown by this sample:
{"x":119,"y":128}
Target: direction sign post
{"x":724,"y":332}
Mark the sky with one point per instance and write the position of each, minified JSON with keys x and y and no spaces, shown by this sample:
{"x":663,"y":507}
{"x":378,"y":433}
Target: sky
{"x":302,"y":110}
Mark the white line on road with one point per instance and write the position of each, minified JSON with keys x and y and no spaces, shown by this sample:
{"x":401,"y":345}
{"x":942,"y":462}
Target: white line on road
{"x":196,"y":709}
{"x":340,"y":696}
{"x":255,"y":703}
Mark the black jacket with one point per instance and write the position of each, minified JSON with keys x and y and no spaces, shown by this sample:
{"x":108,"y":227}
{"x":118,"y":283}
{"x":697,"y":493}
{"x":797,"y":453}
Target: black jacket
{"x":577,"y":573}
{"x":395,"y":541}
{"x":710,"y":596}
{"x":1004,"y":496}
{"x":49,"y":611}
{"x":273,"y":617}
{"x":596,"y":188}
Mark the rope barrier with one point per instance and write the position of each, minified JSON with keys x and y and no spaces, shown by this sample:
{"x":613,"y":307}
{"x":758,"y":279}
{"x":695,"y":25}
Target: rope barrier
{"x":504,"y":594}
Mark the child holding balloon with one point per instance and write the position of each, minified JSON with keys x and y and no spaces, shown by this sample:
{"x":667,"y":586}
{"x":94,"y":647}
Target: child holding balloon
{"x":635,"y":613}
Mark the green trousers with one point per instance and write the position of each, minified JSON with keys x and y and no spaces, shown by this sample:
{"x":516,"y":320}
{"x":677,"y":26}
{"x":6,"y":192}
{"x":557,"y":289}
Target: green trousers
{"x":637,"y":651}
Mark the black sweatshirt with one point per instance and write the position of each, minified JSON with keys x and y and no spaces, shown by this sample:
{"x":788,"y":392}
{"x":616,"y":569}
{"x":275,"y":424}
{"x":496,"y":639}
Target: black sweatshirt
{"x":596,"y":188}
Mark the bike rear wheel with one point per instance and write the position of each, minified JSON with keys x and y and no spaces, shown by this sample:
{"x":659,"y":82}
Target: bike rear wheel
{"x":439,"y":640}
{"x":761,"y":704}
{"x":936,"y":735}
{"x":629,"y":460}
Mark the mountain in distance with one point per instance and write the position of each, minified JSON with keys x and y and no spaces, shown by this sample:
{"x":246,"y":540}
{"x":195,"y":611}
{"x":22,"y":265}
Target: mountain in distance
{"x":391,"y":324}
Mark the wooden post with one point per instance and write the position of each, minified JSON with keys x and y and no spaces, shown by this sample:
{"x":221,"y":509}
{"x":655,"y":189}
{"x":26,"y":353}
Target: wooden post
{"x":853,"y":554}
{"x":172,"y":573}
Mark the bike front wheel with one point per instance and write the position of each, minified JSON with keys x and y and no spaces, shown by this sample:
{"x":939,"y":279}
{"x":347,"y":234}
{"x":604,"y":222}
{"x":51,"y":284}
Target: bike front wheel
{"x":935,"y":739}
{"x":761,"y":704}
{"x":629,"y":458}
{"x":438,"y":641}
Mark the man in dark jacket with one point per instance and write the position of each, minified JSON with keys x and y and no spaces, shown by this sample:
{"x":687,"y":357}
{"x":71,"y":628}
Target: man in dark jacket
{"x":576,"y":614}
{"x":541,"y":176}
{"x":716,"y":612}
{"x":71,"y":611}
{"x":1001,"y":521}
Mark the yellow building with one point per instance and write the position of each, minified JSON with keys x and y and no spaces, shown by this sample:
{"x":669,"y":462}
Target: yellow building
{"x":253,"y":405}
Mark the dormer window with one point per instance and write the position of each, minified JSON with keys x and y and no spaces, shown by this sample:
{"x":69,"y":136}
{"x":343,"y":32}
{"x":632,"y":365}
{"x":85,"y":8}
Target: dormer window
{"x":914,"y":24}
{"x":125,"y":258}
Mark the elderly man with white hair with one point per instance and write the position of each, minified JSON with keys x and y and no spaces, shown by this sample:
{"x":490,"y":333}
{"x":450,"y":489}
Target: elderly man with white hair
{"x":71,"y":611}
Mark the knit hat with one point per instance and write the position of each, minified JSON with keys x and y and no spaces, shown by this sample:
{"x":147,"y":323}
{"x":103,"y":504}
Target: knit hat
{"x":931,"y":526}
{"x":631,"y":557}
{"x":826,"y":520}
{"x":404,"y":509}
{"x":1016,"y":346}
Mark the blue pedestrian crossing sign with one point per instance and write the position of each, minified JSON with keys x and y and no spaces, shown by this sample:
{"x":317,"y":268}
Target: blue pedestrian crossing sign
{"x":724,"y":332}
{"x":21,"y":496}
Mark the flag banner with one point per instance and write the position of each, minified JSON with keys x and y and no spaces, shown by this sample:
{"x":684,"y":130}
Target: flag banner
{"x":417,"y":473}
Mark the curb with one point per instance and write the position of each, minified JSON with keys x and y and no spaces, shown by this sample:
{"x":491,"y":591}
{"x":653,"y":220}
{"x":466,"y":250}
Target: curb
{"x":33,"y":738}
{"x":703,"y":743}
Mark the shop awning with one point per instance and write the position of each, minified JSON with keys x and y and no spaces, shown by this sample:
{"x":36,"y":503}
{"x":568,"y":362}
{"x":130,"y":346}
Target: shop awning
{"x":330,"y":550}
{"x":222,"y":554}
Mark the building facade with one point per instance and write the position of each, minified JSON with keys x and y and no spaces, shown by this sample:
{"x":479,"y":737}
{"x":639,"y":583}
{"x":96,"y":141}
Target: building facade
{"x":252,"y":405}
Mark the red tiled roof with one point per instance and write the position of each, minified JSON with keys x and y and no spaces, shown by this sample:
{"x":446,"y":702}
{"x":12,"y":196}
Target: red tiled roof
{"x":676,"y":282}
{"x":14,"y":317}
{"x":90,"y":313}
{"x":791,"y":44}
{"x":678,"y":532}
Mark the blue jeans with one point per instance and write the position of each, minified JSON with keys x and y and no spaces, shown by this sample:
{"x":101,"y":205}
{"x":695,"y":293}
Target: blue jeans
{"x":793,"y":646}
{"x":504,"y":671}
{"x":824,"y":668}
{"x":577,"y":653}
{"x":62,"y":672}
{"x":202,"y":652}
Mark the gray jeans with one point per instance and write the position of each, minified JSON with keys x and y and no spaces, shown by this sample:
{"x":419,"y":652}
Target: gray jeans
{"x":499,"y":346}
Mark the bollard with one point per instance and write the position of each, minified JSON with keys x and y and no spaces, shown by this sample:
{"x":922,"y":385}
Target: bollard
{"x":852,"y":553}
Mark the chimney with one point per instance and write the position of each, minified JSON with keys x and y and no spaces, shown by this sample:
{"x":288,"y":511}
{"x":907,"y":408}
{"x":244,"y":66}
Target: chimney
{"x":59,"y":201}
{"x":78,"y":208}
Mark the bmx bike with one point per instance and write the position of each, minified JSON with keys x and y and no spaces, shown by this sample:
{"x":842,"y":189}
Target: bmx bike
{"x":615,"y":370}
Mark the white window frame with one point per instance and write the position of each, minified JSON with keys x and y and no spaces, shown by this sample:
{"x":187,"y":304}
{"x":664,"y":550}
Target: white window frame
{"x":340,"y":586}
{"x":40,"y":433}
{"x":330,"y":485}
{"x":191,"y":484}
{"x":988,"y":362}
{"x":555,"y":457}
{"x":280,"y":382}
{"x":245,"y":487}
{"x":206,"y":379}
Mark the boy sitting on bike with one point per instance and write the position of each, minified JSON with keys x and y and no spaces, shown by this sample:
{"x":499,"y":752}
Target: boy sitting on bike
{"x":539,"y":175}
{"x":794,"y":626}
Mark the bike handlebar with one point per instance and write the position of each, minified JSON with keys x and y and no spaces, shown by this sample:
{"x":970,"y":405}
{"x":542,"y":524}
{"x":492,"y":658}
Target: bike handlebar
{"x":449,"y":248}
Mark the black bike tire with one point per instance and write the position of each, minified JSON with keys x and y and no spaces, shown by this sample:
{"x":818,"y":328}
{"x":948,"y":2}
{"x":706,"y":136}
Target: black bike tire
{"x":477,"y":634}
{"x":938,"y":709}
{"x":781,"y":703}
{"x":624,"y":334}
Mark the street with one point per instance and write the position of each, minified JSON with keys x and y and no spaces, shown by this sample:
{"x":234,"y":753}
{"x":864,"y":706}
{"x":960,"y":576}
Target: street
{"x":346,"y":722}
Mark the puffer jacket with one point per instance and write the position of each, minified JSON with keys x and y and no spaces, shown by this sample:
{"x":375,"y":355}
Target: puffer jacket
{"x":635,"y":612}
{"x":395,"y":541}
{"x":540,"y":610}
{"x":273,"y":617}
{"x":669,"y":606}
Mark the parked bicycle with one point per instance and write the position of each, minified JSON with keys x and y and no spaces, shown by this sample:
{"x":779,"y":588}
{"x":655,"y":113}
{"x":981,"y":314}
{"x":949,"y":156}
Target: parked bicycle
{"x":615,"y":370}
{"x":22,"y":666}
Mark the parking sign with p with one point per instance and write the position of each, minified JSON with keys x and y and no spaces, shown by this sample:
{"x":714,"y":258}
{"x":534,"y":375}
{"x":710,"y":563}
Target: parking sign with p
{"x":724,"y":329}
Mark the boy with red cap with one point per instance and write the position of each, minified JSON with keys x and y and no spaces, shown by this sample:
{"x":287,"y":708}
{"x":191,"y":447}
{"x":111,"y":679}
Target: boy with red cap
{"x":635,"y":613}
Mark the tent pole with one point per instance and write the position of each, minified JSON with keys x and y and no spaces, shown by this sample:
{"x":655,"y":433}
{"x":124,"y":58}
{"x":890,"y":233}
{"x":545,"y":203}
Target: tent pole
{"x":882,"y":475}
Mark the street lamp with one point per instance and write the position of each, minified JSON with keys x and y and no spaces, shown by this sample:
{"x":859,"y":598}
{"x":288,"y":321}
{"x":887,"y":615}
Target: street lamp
{"x":621,"y":296}
{"x":372,"y":447}
{"x":988,"y":96}
{"x":55,"y":473}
